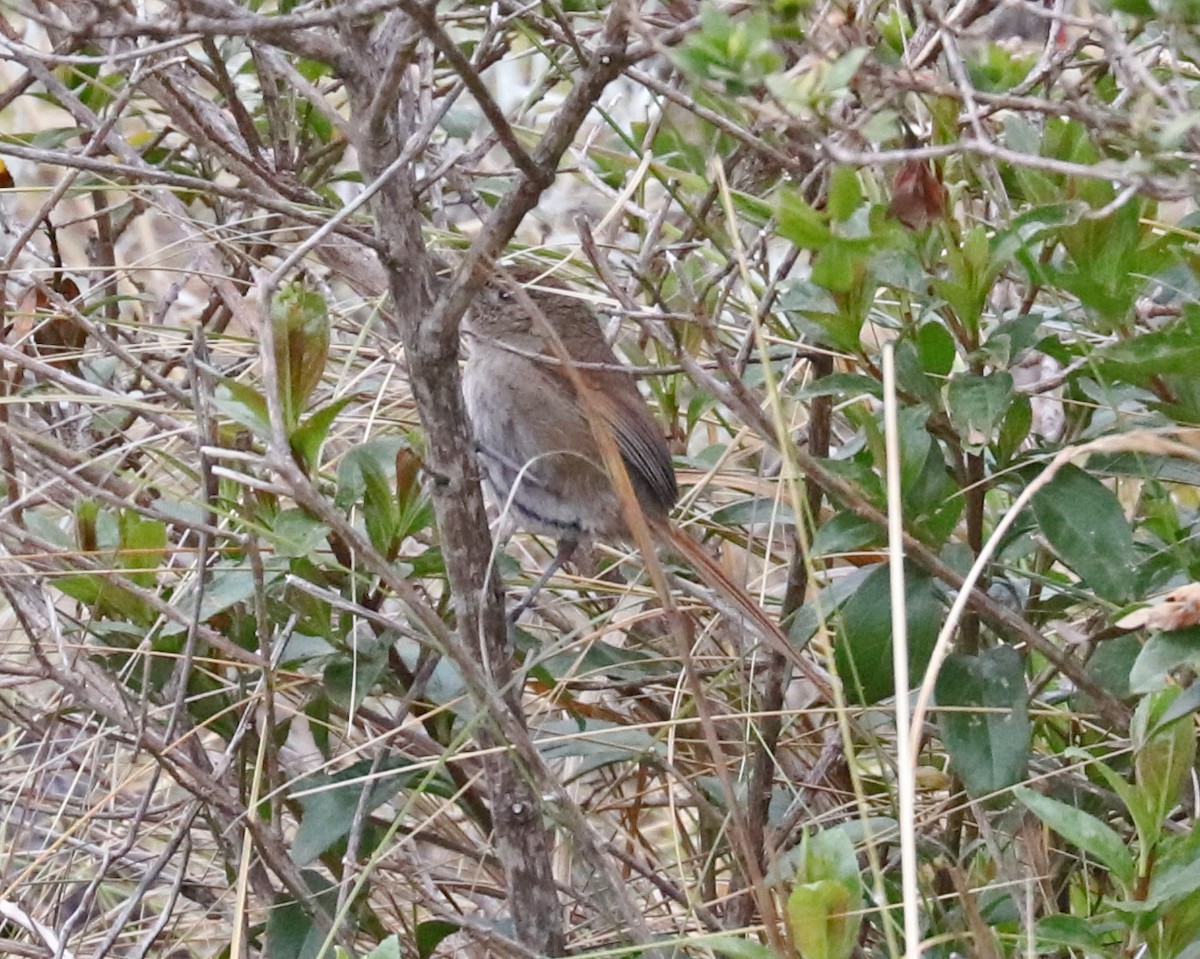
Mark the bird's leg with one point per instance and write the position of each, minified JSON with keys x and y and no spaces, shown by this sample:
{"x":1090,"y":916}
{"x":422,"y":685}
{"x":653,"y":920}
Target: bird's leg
{"x":566,"y":549}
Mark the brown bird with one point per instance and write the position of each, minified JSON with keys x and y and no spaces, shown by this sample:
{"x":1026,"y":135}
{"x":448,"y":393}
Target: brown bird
{"x":534,"y":432}
{"x":540,"y":383}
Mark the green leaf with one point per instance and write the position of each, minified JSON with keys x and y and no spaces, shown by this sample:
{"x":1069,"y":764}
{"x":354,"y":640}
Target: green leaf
{"x":915,"y":444}
{"x":228,"y":585}
{"x":820,"y":921}
{"x":430,"y":934}
{"x":913,"y":376}
{"x":1135,"y":8}
{"x":935,"y":349}
{"x":825,"y":906}
{"x":327,"y":814}
{"x":291,"y":932}
{"x":840,"y":266}
{"x":800,"y":223}
{"x":864,"y":650}
{"x":844,"y":533}
{"x":1163,"y":654}
{"x":845,"y":193}
{"x":754,"y":511}
{"x":1083,"y":830}
{"x":843,"y":69}
{"x":1164,"y":753}
{"x":1015,"y":427}
{"x":1089,"y":934}
{"x":1185,"y":704}
{"x":1012,"y":338}
{"x":380,"y":454}
{"x":602,"y":744}
{"x":380,"y":510}
{"x":829,"y":855}
{"x":390,"y":947}
{"x":307,"y":439}
{"x":1144,"y":821}
{"x":1170,"y":351}
{"x":105,"y":598}
{"x":1177,"y":868}
{"x":143,"y":547}
{"x":294,"y":533}
{"x":244,"y":405}
{"x":977,"y":404}
{"x":842,"y":384}
{"x":1029,"y":228}
{"x":350,"y":679}
{"x":983,"y":715}
{"x":1083,"y":522}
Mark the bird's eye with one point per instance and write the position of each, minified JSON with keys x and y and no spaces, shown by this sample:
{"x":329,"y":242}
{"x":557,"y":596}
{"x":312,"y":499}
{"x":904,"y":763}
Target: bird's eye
{"x":506,"y":295}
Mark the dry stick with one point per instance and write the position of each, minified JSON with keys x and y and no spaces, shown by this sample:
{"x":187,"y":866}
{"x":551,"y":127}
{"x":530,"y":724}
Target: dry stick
{"x":762,"y":775}
{"x":1162,"y":188}
{"x":217,"y":18}
{"x":905,"y":752}
{"x":523,"y":836}
{"x":426,"y":17}
{"x":118,"y":171}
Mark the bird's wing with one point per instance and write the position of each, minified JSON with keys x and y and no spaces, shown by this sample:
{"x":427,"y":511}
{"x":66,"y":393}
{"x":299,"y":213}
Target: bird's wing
{"x":639,"y":438}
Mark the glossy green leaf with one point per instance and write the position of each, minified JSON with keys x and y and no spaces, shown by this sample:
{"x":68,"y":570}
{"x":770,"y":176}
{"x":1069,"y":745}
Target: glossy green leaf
{"x":430,"y":934}
{"x":977,"y":404}
{"x":983,"y":716}
{"x":863,"y":653}
{"x":1085,"y":525}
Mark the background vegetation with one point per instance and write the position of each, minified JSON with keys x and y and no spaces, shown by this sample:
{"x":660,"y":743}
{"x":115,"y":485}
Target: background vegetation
{"x":256,"y":691}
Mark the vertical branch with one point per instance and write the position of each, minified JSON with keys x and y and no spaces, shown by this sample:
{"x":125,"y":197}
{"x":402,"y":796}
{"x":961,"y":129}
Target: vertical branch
{"x":778,"y":673}
{"x":523,"y":841}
